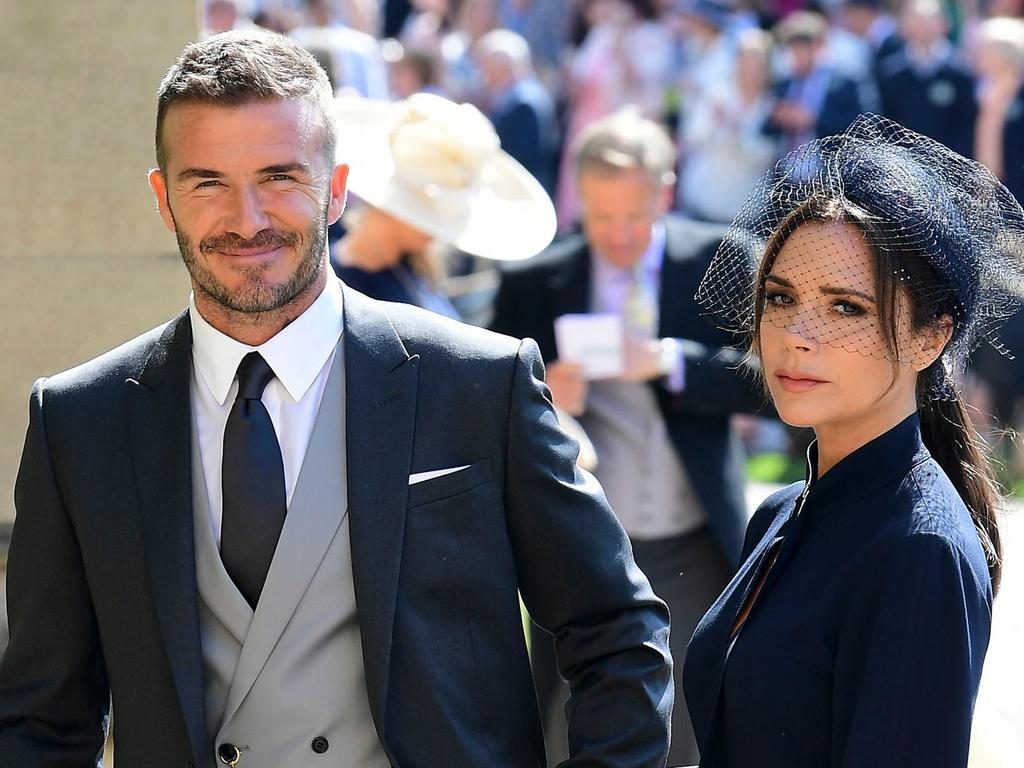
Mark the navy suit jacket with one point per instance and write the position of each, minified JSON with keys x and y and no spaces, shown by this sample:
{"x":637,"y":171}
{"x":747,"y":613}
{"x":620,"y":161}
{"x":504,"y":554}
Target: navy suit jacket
{"x":102,"y":580}
{"x":719,"y":380}
{"x":843,"y":103}
{"x":525,"y":121}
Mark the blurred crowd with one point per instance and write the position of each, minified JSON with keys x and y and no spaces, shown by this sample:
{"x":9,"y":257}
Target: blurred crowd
{"x":738,"y":83}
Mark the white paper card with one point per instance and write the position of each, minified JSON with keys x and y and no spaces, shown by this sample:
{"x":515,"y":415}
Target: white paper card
{"x":594,"y":341}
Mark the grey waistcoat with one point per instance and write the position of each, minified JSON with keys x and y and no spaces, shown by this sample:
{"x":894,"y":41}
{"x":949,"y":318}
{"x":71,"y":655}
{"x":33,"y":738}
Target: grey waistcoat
{"x":292,"y":672}
{"x":638,"y":466}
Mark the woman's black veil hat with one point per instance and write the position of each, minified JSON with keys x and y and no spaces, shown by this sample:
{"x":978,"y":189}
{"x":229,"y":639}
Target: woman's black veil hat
{"x":927,"y":200}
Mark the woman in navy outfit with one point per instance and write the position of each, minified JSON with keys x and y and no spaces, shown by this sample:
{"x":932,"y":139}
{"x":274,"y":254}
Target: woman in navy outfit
{"x":863,"y":269}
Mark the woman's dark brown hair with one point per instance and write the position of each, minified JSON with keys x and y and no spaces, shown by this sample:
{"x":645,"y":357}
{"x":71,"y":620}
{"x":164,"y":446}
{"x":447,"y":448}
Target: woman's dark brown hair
{"x":946,"y":428}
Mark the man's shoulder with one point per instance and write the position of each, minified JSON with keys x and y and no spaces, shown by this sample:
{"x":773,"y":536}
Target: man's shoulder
{"x":564,"y":251}
{"x":112,"y":368}
{"x":685,"y":237}
{"x":427,"y":333}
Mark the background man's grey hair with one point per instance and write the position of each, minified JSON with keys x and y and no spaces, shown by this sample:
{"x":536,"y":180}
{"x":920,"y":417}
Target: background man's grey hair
{"x":508,"y":45}
{"x":236,"y":68}
{"x":625,"y":141}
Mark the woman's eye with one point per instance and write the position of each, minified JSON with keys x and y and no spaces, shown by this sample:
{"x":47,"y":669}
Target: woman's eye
{"x":848,"y":308}
{"x":777,"y":299}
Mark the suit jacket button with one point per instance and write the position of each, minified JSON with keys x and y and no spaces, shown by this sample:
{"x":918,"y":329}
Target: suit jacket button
{"x":320,"y":745}
{"x":228,"y":753}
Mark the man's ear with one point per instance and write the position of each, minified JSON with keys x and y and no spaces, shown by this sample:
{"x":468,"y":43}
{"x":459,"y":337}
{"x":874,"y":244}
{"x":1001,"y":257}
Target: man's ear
{"x":930,"y":342}
{"x":158,"y":184}
{"x":339,"y":193}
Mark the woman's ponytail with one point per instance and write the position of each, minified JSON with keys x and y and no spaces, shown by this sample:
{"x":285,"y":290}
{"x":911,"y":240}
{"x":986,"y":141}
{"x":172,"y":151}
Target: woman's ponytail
{"x":954,"y":443}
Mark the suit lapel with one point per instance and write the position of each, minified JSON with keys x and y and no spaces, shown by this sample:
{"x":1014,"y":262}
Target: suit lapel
{"x":160,"y":422}
{"x":570,"y":286}
{"x":381,"y":385}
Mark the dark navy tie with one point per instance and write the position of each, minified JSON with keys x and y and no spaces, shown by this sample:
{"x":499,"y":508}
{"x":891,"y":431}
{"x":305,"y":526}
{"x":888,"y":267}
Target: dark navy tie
{"x":252,"y":471}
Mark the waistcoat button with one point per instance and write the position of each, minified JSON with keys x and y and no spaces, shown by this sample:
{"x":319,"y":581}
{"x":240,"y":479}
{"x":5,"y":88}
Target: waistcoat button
{"x":320,"y":745}
{"x":228,"y":754}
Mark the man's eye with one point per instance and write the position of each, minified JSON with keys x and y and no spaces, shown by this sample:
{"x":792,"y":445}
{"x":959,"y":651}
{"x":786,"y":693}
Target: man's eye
{"x":848,"y":308}
{"x":281,"y":177}
{"x":207,"y":184}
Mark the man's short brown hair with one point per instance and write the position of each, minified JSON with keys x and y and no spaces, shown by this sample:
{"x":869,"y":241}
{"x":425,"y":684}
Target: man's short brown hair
{"x":236,"y":68}
{"x":624,"y":141}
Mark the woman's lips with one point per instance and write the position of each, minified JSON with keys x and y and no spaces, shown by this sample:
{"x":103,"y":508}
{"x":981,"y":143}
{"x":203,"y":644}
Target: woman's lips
{"x":792,"y":381}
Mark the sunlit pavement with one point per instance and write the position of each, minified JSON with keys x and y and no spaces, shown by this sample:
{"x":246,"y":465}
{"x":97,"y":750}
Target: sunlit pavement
{"x":998,"y":735}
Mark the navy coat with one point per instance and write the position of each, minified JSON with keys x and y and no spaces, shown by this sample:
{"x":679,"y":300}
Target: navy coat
{"x":865,"y":645}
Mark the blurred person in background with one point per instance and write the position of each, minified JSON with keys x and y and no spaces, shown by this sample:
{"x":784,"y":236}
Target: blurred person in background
{"x":869,"y":22}
{"x":224,"y":15}
{"x":462,"y":77}
{"x":517,"y":104}
{"x":999,"y":134}
{"x":666,"y":454}
{"x":923,"y":85}
{"x":545,"y":25}
{"x":707,"y":54}
{"x":431,"y":179}
{"x":813,"y":99}
{"x":625,"y":58}
{"x":357,"y":64}
{"x":410,"y":71}
{"x":724,"y":149}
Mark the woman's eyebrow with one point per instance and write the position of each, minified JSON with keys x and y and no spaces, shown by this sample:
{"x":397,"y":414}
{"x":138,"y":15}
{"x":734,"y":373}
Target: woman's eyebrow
{"x":776,"y":279}
{"x":829,"y":290}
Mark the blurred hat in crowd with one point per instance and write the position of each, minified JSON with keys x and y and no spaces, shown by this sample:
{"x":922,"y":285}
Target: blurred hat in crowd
{"x":713,"y":13}
{"x":801,"y":27}
{"x":439,"y":167}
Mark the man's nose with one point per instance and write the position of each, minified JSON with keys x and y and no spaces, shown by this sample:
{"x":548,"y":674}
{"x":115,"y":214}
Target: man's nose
{"x":247,"y":216}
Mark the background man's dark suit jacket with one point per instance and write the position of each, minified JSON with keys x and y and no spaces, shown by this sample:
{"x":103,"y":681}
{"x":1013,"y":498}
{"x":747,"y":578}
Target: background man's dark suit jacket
{"x":558,"y":282}
{"x":102,"y":568}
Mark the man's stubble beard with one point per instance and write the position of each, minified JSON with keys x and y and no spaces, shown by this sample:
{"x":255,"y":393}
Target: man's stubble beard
{"x":255,"y":297}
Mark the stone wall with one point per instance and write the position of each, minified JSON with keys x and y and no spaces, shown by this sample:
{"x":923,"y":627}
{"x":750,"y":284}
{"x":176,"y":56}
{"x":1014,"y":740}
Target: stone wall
{"x":86,"y":261}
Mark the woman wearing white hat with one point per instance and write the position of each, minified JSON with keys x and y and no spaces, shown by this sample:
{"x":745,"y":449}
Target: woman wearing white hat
{"x":431,"y":175}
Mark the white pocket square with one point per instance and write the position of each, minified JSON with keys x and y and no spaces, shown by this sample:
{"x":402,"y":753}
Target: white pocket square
{"x":419,"y":477}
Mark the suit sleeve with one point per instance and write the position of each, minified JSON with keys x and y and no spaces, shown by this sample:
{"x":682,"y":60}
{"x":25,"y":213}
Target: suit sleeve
{"x":909,"y":662}
{"x":53,"y":687}
{"x":719,"y":380}
{"x":579,"y":582}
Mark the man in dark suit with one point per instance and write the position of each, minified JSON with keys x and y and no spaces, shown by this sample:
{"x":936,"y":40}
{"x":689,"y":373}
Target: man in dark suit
{"x":289,"y":527}
{"x":924,"y":86}
{"x":666,"y":455}
{"x":813,"y":100}
{"x":517,"y":103}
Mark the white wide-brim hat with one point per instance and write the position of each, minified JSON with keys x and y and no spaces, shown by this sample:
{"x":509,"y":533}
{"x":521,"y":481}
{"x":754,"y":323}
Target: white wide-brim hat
{"x":439,"y":167}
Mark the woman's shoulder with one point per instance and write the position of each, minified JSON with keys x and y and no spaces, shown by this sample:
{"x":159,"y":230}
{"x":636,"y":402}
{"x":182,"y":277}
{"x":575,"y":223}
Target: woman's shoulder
{"x":930,"y":521}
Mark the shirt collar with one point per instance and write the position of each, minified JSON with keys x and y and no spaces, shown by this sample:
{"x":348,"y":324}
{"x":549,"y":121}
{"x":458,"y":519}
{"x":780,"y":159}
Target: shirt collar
{"x":297,"y":353}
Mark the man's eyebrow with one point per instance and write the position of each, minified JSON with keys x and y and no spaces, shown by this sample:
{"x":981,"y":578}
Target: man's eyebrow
{"x":198,"y":173}
{"x":286,"y":168}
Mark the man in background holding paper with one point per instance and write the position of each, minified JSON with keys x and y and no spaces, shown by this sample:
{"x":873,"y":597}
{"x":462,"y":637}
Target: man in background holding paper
{"x":651,"y":381}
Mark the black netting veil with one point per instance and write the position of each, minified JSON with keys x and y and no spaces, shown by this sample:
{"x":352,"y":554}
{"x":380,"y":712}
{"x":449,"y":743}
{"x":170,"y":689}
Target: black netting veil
{"x":814,"y":243}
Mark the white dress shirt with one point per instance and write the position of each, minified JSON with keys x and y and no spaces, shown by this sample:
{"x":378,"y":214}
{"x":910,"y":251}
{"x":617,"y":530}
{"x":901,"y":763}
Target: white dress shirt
{"x":300,"y":355}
